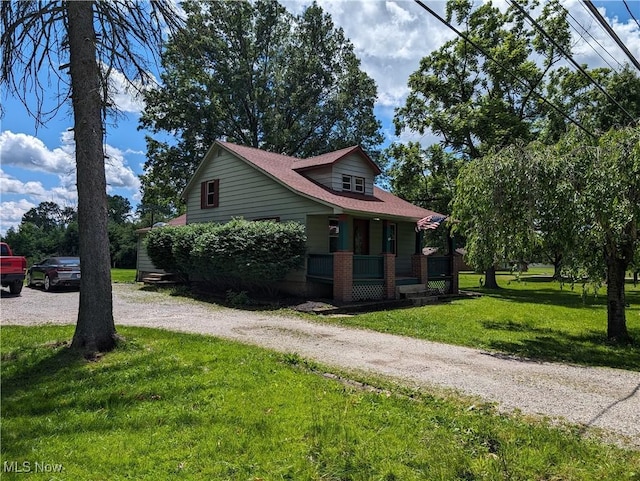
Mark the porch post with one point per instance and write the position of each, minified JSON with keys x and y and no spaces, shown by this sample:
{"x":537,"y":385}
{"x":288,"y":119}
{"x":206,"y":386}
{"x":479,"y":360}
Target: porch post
{"x":456,"y":262}
{"x":386,"y":241}
{"x":419,"y":242}
{"x":419,"y":268}
{"x":389,"y":275}
{"x":343,"y":276}
{"x":343,"y":233}
{"x":343,"y":263}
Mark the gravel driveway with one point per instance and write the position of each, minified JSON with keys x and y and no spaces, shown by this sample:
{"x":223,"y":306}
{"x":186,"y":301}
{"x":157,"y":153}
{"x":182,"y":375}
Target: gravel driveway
{"x":594,"y":397}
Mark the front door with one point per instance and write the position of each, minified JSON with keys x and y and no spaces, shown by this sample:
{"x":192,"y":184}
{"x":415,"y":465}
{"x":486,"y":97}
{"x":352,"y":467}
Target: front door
{"x":361,"y":237}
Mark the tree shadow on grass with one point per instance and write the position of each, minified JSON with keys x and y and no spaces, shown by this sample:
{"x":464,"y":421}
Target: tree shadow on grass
{"x":54,"y":384}
{"x":591,"y":348}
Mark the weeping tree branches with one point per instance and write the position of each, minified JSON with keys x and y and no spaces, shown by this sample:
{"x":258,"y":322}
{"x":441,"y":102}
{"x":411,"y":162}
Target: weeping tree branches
{"x":578,"y":198}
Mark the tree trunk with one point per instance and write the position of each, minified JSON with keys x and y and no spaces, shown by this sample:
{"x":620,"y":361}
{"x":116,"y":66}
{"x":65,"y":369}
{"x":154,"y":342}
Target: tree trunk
{"x":557,"y":267}
{"x":95,"y":329}
{"x":490,"y":281}
{"x":616,"y":321}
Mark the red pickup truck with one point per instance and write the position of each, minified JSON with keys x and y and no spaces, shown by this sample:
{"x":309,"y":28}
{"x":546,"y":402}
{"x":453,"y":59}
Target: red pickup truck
{"x":12,"y":269}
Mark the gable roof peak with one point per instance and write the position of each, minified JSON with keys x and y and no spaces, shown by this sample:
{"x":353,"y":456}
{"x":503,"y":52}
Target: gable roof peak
{"x":331,"y":158}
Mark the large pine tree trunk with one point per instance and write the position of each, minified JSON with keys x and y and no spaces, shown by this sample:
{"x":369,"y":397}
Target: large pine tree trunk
{"x":95,"y":329}
{"x":616,"y":321}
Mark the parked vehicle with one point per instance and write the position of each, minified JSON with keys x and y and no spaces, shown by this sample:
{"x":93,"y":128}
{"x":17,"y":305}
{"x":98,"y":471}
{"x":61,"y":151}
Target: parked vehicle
{"x":55,"y":272}
{"x":12,"y":269}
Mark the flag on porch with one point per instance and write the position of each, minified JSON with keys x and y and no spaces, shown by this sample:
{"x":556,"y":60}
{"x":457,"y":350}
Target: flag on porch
{"x":430,"y":222}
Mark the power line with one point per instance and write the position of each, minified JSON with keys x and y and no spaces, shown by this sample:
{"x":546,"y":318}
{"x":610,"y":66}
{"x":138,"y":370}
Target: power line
{"x":585,"y":30}
{"x":611,"y":32}
{"x":630,"y":12}
{"x":522,"y":82}
{"x":535,"y":24}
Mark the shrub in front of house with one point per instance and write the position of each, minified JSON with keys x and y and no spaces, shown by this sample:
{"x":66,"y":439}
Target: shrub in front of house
{"x":240,"y":251}
{"x":159,"y":245}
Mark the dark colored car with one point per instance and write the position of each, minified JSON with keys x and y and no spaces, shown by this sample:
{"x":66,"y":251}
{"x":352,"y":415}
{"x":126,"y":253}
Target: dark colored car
{"x":55,"y":272}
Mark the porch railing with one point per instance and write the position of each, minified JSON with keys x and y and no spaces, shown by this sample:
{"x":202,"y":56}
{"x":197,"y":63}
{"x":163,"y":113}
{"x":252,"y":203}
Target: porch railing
{"x":438,"y":267}
{"x":320,"y":265}
{"x":368,"y":267}
{"x":364,"y":267}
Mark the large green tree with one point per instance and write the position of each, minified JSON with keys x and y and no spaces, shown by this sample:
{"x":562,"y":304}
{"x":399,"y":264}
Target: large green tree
{"x":81,"y":43}
{"x":254,"y":74}
{"x":481,"y":92}
{"x":479,"y":99}
{"x":581,"y":195}
{"x":494,"y":207}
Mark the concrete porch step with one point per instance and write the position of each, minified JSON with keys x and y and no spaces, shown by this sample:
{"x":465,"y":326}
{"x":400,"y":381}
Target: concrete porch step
{"x":158,"y":278}
{"x":417,"y":294}
{"x":411,"y":288}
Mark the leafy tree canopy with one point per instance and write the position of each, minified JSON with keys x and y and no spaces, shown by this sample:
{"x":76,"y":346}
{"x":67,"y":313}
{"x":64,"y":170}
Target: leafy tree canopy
{"x":616,"y":105}
{"x":254,"y":74}
{"x":478,"y":100}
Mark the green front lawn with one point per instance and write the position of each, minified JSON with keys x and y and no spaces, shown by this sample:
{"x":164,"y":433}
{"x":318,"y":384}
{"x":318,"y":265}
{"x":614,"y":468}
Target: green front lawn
{"x":532,"y":317}
{"x":123,"y":275}
{"x":176,"y":406}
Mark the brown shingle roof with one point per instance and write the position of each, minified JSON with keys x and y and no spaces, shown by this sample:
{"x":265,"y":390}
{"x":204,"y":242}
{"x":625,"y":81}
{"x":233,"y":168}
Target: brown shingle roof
{"x":332,"y":157}
{"x":281,"y":168}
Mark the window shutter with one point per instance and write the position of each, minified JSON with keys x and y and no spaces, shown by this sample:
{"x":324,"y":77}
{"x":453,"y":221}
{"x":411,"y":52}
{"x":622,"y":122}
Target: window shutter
{"x":216,"y":192}
{"x":203,"y":195}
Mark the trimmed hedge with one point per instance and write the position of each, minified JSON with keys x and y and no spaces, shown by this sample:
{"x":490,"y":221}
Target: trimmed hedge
{"x":259,"y":252}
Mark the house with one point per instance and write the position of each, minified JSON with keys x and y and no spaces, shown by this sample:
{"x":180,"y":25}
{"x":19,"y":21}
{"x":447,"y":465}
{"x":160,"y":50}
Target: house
{"x":362,"y":241}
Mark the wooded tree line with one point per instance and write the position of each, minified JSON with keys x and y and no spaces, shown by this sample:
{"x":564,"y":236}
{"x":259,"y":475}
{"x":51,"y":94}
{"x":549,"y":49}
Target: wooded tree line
{"x":253,"y":73}
{"x":50,"y":230}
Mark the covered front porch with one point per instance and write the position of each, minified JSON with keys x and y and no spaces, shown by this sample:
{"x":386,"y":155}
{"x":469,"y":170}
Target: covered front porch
{"x":373,"y":277}
{"x":352,"y":273}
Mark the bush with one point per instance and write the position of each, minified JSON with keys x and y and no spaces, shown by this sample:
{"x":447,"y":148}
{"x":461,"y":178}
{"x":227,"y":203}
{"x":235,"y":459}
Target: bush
{"x":239,"y":251}
{"x":159,"y":245}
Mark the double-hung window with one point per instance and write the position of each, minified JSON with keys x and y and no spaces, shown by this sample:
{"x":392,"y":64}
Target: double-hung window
{"x":346,"y":182}
{"x":209,"y":194}
{"x":351,"y":183}
{"x":358,"y":184}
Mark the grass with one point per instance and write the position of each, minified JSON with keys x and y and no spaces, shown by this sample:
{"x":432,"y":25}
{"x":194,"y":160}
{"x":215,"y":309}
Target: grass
{"x":123,"y":275}
{"x":167,"y":405}
{"x":532,"y":316}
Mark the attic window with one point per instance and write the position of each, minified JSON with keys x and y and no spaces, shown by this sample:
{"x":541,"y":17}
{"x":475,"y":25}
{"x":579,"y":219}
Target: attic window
{"x":209,"y":194}
{"x":346,"y":182}
{"x":353,"y":183}
{"x":358,"y":184}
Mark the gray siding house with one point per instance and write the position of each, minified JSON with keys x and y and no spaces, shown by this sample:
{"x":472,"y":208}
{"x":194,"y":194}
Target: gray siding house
{"x":362,"y":241}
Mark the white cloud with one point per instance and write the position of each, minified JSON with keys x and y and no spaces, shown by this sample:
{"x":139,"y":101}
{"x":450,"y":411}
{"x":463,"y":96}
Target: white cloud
{"x":11,"y":213}
{"x":125,"y":95}
{"x":390,"y":38}
{"x":29,"y":153}
{"x":119,"y":174}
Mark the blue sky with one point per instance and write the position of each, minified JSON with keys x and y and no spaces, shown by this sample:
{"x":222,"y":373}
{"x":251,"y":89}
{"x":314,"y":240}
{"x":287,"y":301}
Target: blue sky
{"x":390,"y":37}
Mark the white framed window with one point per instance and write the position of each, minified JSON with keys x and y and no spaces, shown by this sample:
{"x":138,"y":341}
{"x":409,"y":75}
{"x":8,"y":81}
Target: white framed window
{"x":351,"y":183}
{"x":346,"y":182}
{"x":209,"y":194}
